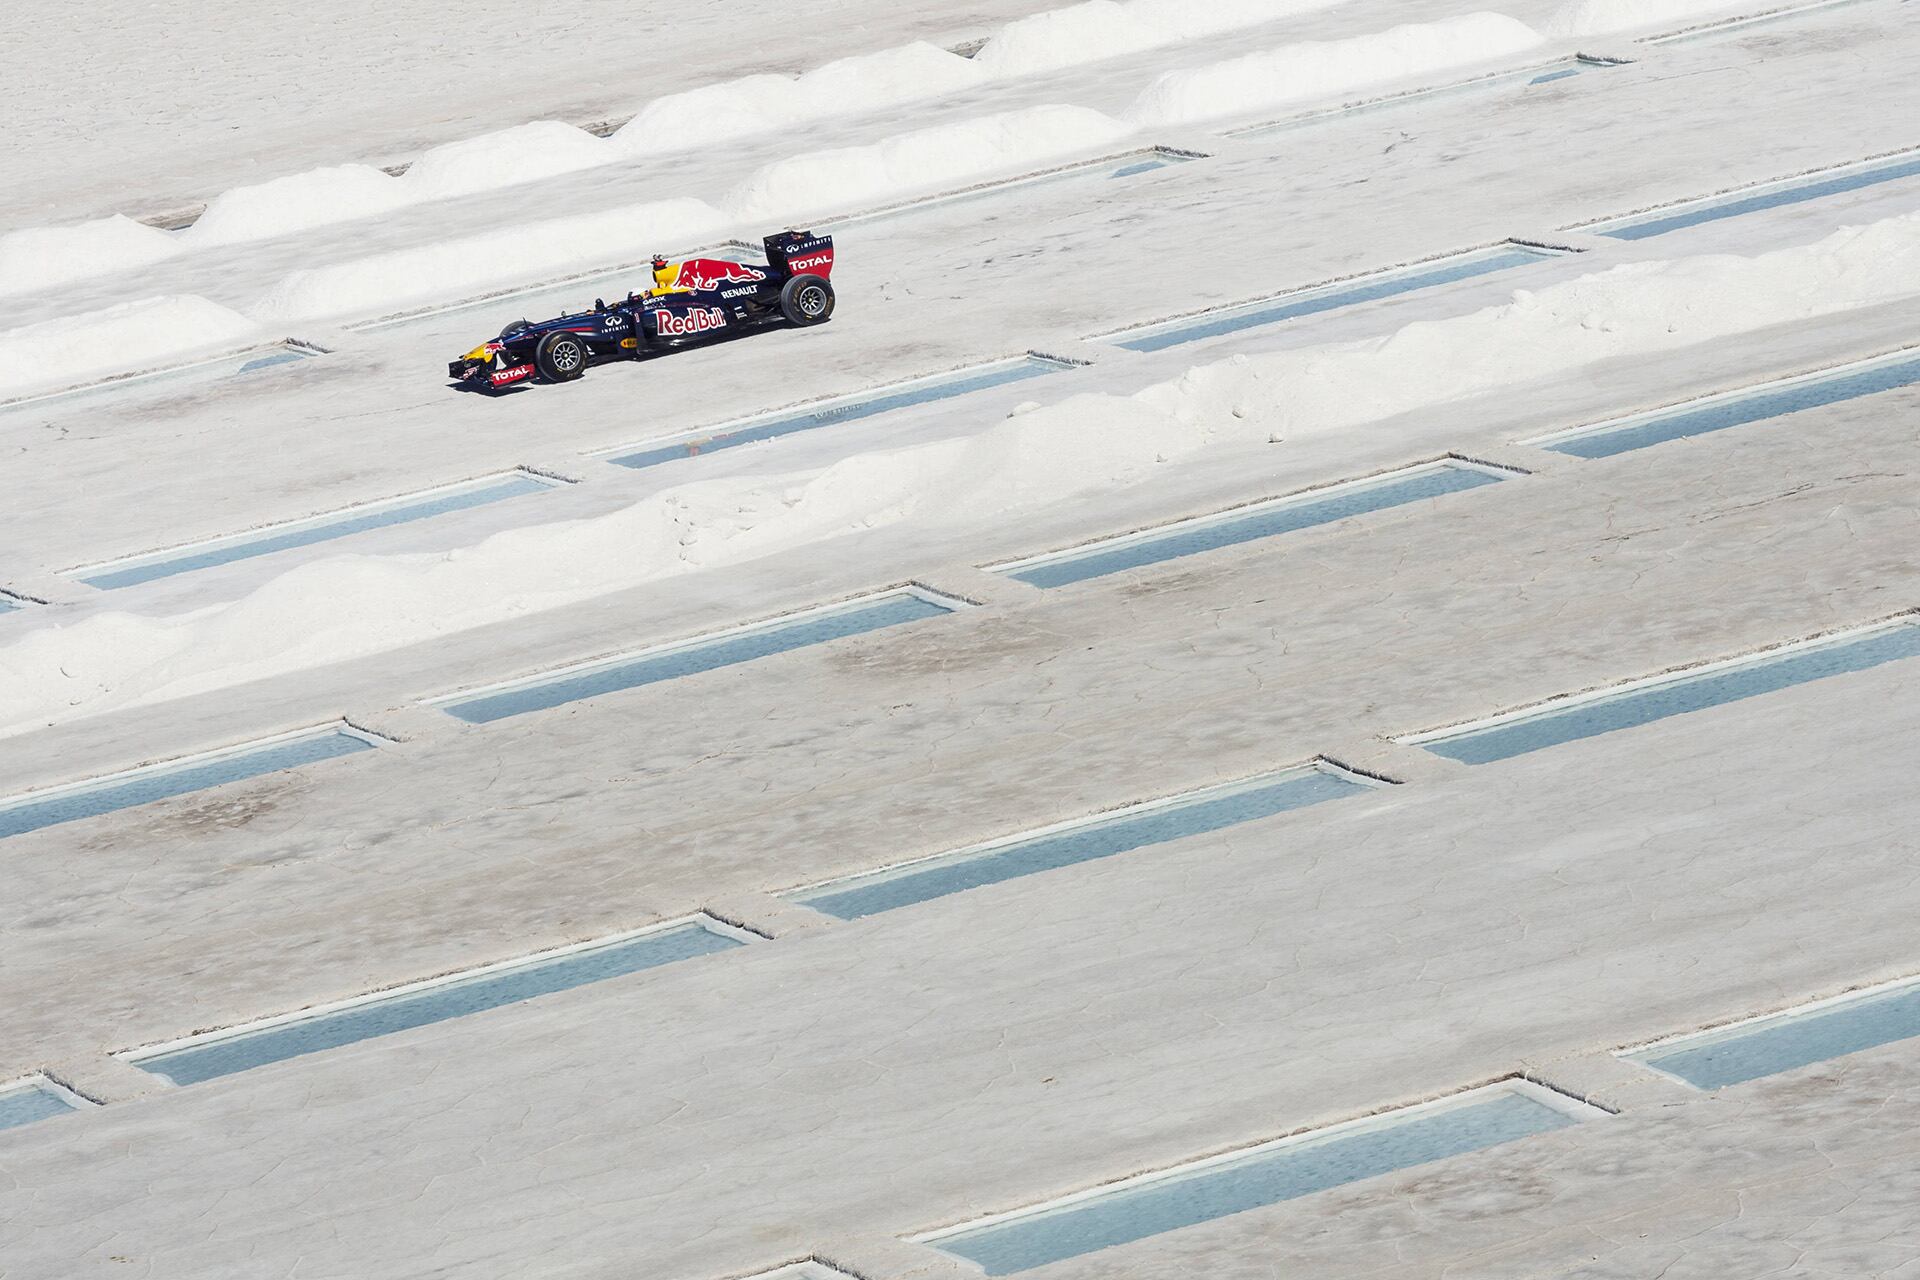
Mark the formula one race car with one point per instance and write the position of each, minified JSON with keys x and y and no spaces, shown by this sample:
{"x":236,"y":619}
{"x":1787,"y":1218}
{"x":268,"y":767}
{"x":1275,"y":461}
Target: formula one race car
{"x":690,"y":301}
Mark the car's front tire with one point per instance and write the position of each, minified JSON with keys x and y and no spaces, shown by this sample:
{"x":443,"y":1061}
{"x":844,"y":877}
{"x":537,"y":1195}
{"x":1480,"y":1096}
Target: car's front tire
{"x":806,"y":300}
{"x":560,"y":357}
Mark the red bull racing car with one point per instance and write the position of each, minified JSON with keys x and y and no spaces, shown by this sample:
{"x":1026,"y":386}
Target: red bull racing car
{"x":691,"y":301}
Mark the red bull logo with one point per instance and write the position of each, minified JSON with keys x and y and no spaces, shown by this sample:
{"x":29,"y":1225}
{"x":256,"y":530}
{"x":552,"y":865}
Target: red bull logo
{"x":711,"y":273}
{"x":672,"y":324}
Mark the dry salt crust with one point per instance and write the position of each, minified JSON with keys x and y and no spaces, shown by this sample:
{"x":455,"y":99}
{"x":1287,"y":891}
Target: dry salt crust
{"x":87,"y":668}
{"x":144,"y":104}
{"x":1086,"y":1024}
{"x":1297,"y":72}
{"x":65,"y":270}
{"x":1092,"y":32}
{"x":1097,"y":32}
{"x":348,"y":606}
{"x":238,"y":277}
{"x":1551,"y":907}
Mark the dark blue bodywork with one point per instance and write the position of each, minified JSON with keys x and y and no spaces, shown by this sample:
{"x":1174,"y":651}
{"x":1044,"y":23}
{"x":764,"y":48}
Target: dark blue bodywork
{"x":707,"y":298}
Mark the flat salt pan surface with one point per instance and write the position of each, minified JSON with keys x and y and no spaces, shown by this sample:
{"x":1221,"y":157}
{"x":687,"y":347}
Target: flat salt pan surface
{"x":1614,"y":931}
{"x":1736,"y":409}
{"x":169,"y":111}
{"x":305,"y":533}
{"x":240,"y":1051}
{"x":355,"y":407}
{"x":205,"y":371}
{"x":1789,"y":1040}
{"x":1265,"y":520}
{"x":945,"y":386}
{"x":1525,"y":78}
{"x":1332,"y":297}
{"x":1679,"y":695}
{"x":1733,"y":205}
{"x":30,"y":812}
{"x":1285,"y":1171}
{"x":777,"y":636}
{"x":1107,"y":170}
{"x":27,"y":1103}
{"x":1155,"y":823}
{"x":1736,"y":27}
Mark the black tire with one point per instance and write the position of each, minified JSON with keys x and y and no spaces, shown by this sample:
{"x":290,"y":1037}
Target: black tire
{"x":560,"y":357}
{"x":513,"y":328}
{"x":806,"y":300}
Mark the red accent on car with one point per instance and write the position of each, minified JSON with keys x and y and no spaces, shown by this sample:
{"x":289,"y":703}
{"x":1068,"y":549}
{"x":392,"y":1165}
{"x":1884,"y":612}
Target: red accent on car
{"x":504,"y":377}
{"x":712,"y":273}
{"x":671,"y":324}
{"x":818,"y":263}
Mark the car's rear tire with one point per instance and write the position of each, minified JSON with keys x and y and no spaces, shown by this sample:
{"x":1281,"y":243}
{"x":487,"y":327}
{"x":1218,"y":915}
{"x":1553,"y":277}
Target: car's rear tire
{"x":806,"y":300}
{"x":560,"y":357}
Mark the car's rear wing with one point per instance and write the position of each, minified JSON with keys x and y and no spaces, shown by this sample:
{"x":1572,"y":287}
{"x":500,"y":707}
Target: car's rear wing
{"x":800,"y":253}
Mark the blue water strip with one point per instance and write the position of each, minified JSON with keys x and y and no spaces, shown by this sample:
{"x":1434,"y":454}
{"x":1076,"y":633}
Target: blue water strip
{"x":225,"y":1053}
{"x":1332,"y":297}
{"x":1655,"y":222}
{"x":1788,"y":1041}
{"x":1647,"y":701}
{"x":304,"y":533}
{"x":31,"y":1101}
{"x":1174,"y":818}
{"x":36,"y":809}
{"x":1248,"y":524}
{"x":829,"y":413}
{"x":1737,"y":408}
{"x":1277,"y":1172}
{"x":9,"y":603}
{"x":708,"y":653}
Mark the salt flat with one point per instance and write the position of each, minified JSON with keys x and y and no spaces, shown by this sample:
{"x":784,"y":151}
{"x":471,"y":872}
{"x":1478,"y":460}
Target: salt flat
{"x":840,"y":1086}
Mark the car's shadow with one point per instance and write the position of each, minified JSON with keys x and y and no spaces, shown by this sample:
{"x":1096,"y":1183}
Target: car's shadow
{"x":475,"y":389}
